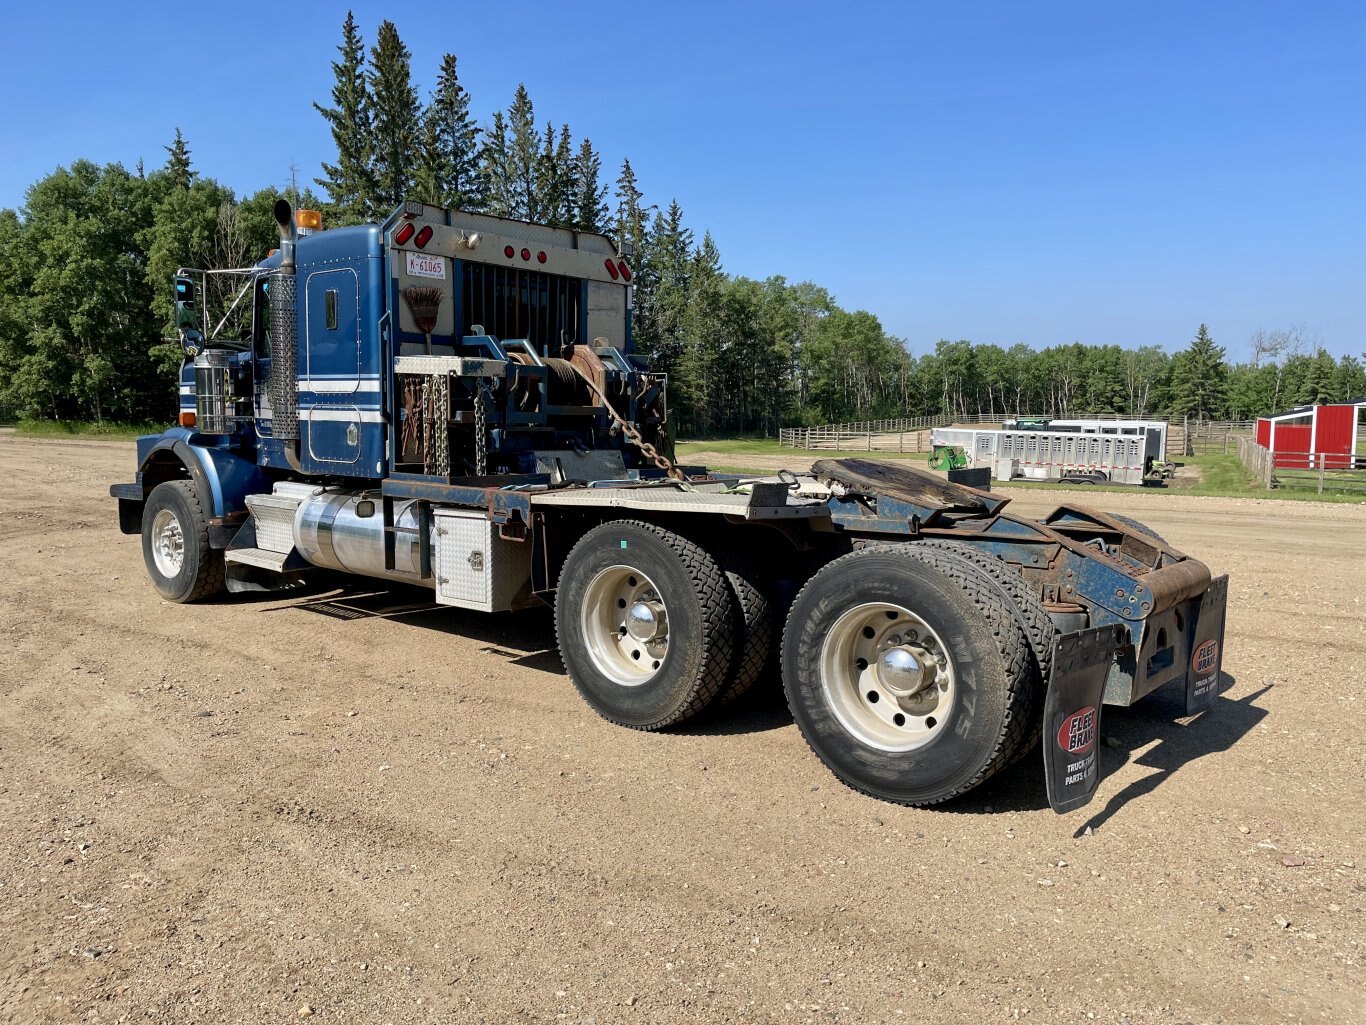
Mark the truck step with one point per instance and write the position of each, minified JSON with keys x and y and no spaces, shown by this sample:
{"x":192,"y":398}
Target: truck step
{"x":261,"y":558}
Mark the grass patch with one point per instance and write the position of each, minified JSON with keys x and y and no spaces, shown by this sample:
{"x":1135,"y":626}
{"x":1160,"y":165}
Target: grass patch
{"x":85,"y":429}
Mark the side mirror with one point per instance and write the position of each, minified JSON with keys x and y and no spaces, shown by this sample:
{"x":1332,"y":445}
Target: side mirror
{"x":186,"y":308}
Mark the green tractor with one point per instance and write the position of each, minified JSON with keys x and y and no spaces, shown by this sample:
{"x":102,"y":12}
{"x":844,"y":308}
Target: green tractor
{"x":948,"y":457}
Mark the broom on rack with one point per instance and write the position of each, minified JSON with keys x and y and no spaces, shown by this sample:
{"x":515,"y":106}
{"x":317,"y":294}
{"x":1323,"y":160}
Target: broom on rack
{"x":424,"y":303}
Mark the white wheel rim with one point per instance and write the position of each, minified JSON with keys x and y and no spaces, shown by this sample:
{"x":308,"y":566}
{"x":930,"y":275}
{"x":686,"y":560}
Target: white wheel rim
{"x":625,"y":625}
{"x":168,"y":543}
{"x":887,"y":676}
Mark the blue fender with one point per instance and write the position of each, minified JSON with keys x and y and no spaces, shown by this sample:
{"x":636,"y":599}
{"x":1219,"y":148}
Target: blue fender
{"x":223,"y":477}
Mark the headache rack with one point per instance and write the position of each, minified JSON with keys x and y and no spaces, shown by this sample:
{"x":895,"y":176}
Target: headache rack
{"x":512,"y":302}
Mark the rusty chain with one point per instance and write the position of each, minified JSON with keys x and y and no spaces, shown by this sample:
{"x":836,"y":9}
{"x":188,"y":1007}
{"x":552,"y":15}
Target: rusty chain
{"x":660,"y":460}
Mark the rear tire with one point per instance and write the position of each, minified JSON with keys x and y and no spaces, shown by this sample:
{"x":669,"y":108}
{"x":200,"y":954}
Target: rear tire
{"x":754,"y":642}
{"x":1038,"y":627}
{"x":175,"y":544}
{"x":645,"y":624}
{"x":1141,"y":528}
{"x":929,"y":734}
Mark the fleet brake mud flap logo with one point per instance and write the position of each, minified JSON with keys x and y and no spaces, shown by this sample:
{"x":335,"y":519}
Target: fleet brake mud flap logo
{"x":1202,"y":686}
{"x":1077,"y":736}
{"x":1078,"y":731}
{"x":1206,"y":657}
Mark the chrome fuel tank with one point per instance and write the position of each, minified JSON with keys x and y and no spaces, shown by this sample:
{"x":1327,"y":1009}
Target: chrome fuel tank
{"x":330,"y":531}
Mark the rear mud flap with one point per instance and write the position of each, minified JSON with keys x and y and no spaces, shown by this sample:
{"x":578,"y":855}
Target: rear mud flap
{"x":1207,"y":648}
{"x":1071,"y":734}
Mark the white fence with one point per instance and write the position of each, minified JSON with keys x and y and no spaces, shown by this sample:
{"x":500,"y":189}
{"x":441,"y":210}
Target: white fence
{"x":1184,"y":437}
{"x":899,"y":435}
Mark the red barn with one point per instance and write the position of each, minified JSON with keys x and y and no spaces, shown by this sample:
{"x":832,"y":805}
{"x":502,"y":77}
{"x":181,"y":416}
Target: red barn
{"x":1309,"y":436}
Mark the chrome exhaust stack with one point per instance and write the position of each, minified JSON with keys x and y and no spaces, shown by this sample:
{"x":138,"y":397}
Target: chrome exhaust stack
{"x":283,"y":384}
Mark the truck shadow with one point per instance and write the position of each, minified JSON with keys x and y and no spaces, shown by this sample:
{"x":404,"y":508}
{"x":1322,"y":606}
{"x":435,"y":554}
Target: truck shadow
{"x":1162,"y":718}
{"x":527,"y":639}
{"x":763,"y":708}
{"x":1178,"y":743}
{"x":524,"y":638}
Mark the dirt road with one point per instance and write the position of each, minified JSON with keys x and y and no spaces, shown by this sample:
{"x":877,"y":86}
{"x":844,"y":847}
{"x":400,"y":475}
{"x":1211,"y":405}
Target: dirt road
{"x":349,"y":806}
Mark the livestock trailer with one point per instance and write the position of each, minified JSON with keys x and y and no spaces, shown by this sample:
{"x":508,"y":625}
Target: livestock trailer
{"x":1067,"y":456}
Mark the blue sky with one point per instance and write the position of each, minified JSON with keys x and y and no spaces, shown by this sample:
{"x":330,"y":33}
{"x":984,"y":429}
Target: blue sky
{"x":1004,"y":172}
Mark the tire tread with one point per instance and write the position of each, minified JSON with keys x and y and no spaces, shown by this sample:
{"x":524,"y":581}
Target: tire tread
{"x":712,"y":590}
{"x":1004,"y":623}
{"x":211,"y":577}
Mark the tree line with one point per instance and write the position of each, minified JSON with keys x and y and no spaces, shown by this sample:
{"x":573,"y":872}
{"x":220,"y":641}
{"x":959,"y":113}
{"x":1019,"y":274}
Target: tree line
{"x":86,"y":267}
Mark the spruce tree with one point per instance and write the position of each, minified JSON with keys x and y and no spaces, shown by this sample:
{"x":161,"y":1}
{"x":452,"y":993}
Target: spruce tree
{"x":554,"y":197}
{"x":397,"y":118}
{"x":589,"y":200}
{"x":564,"y":177}
{"x":348,"y":182}
{"x":700,"y":361}
{"x":630,"y":228}
{"x":449,"y":172}
{"x":523,"y":155}
{"x":179,"y":173}
{"x":662,"y":283}
{"x":493,"y":169}
{"x":1199,"y":378}
{"x":1320,"y":382}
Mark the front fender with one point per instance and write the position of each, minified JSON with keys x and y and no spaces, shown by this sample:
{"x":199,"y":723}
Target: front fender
{"x":222,"y":476}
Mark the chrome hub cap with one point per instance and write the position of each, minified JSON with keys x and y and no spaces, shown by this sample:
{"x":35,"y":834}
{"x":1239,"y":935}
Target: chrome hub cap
{"x":902,"y":673}
{"x":887,"y":677}
{"x":645,"y":621}
{"x":168,"y":543}
{"x":625,"y":625}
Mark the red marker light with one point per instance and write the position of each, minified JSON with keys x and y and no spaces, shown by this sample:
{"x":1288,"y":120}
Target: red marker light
{"x":625,"y":271}
{"x":509,"y":252}
{"x":526,"y":254}
{"x":540,"y":257}
{"x":611,"y":269}
{"x":424,"y":236}
{"x":404,"y":234}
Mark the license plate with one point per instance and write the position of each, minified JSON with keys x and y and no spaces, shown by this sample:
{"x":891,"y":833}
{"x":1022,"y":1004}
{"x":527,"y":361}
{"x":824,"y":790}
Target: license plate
{"x":421,"y":265}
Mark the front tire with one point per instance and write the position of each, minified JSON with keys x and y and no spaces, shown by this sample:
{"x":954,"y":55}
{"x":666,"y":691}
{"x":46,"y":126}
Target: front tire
{"x":175,"y":544}
{"x":908,"y":673}
{"x":645,"y":624}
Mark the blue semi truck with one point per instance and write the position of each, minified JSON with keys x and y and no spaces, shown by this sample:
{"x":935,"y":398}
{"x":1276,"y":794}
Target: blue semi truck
{"x":452,"y":401}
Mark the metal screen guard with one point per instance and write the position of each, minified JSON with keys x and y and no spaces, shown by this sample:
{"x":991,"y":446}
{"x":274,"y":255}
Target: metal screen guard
{"x":283,"y":384}
{"x":509,"y":302}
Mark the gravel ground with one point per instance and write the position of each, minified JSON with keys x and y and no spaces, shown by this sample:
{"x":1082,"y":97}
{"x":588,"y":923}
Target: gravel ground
{"x":350,"y":806}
